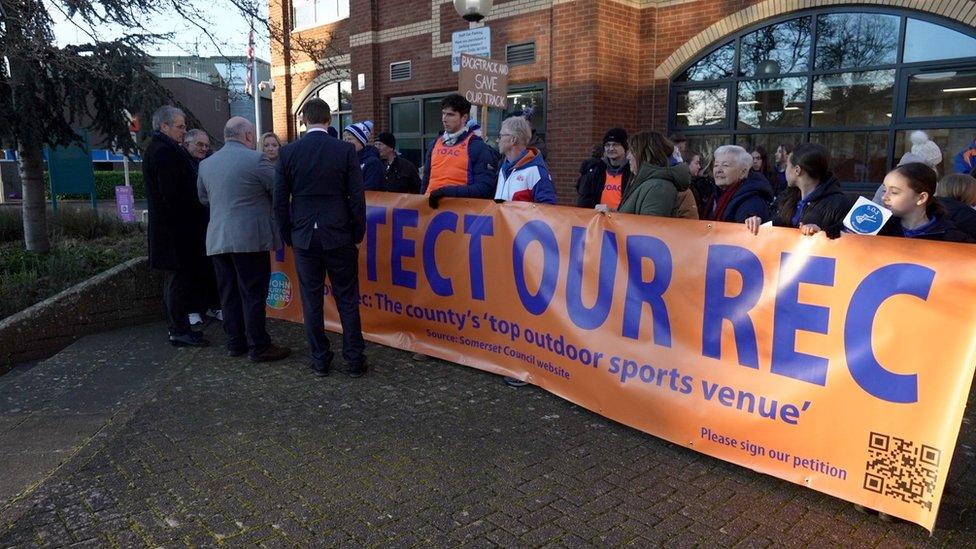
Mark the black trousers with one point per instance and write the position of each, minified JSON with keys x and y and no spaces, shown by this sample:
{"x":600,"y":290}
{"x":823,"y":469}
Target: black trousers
{"x":243,"y":282}
{"x":342,"y":266}
{"x":177,"y":295}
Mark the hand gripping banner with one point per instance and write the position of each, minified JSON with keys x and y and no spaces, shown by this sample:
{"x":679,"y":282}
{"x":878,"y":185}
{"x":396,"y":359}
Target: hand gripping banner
{"x":842,"y":365}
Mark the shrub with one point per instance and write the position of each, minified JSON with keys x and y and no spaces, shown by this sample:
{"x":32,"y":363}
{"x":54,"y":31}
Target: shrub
{"x":105,"y":183}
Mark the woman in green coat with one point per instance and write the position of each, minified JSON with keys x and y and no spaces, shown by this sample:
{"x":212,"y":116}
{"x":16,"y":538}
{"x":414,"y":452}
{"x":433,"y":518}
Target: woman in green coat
{"x":657,"y":187}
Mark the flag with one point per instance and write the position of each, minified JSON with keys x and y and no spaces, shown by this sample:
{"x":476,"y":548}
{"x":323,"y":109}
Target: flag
{"x":248,"y":84}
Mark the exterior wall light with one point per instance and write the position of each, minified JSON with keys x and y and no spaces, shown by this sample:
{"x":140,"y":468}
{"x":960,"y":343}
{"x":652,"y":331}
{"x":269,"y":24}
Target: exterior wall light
{"x":473,"y":10}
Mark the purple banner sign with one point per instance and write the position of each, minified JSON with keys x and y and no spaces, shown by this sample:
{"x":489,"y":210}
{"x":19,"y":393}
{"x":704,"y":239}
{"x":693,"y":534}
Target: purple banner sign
{"x":125,"y":204}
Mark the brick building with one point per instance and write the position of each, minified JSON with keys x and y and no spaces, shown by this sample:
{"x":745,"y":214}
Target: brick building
{"x":855,"y":76}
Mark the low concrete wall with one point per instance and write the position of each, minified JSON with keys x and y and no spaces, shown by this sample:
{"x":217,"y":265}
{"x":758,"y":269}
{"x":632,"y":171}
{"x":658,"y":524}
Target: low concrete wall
{"x":130,"y":293}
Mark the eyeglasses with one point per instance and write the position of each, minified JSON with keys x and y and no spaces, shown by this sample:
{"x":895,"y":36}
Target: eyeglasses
{"x":611,"y":145}
{"x":506,"y":135}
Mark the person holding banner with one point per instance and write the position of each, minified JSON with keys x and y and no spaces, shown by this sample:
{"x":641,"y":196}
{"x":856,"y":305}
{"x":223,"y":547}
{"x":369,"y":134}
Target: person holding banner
{"x":813,"y":200}
{"x":910,"y":195}
{"x":460,"y":164}
{"x":659,"y":187}
{"x":606,"y":183}
{"x":320,"y":207}
{"x":741,"y":193}
{"x":523,"y":175}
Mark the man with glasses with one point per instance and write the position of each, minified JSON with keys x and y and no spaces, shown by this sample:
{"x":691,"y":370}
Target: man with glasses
{"x":606,"y":182}
{"x":176,"y":221}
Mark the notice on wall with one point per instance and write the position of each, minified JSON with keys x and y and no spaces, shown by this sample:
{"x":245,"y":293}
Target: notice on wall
{"x":471,"y":41}
{"x":483,"y":81}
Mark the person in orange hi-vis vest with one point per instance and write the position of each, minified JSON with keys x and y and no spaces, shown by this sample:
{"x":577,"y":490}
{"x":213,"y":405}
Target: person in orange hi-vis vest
{"x":606,"y":183}
{"x":459,"y":163}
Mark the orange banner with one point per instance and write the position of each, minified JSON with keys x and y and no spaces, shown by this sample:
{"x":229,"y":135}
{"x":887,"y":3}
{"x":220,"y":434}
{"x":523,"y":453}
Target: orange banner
{"x":842,"y":365}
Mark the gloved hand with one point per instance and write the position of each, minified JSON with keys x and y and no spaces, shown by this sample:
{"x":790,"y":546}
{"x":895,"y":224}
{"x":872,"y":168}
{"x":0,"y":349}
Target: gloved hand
{"x":434,"y":198}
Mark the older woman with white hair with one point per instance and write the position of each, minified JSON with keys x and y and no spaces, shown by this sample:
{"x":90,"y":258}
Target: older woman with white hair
{"x":741,"y":193}
{"x":523,"y":175}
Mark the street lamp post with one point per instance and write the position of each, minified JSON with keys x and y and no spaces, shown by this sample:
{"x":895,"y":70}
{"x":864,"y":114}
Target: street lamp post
{"x":473,"y":10}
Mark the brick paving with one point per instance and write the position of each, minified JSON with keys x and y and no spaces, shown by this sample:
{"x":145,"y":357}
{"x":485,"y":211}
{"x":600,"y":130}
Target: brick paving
{"x":191,"y":448}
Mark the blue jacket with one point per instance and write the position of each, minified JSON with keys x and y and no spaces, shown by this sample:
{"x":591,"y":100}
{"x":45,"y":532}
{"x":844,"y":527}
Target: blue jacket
{"x":318,"y":182}
{"x":372,"y":166}
{"x":966,"y":159}
{"x":751,"y":198}
{"x":482,"y":168}
{"x":939,"y":228}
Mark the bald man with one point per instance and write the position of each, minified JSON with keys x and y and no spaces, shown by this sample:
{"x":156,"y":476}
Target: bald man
{"x":237,"y":182}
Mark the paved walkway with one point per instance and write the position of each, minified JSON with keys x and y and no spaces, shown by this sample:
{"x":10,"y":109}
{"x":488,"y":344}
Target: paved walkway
{"x":124,"y":441}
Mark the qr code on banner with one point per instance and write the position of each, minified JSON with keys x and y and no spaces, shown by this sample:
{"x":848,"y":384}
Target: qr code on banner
{"x":902,"y":469}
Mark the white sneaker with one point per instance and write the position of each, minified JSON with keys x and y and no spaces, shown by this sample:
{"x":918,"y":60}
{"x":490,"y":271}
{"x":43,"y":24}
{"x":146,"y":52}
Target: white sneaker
{"x":216,"y":313}
{"x":195,"y":319}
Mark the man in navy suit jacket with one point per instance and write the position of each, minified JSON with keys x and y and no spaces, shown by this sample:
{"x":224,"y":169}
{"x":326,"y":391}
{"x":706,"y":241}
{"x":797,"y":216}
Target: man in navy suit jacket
{"x":320,"y":207}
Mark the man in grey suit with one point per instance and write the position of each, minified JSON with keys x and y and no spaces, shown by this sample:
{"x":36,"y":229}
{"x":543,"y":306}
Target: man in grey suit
{"x":237,"y":182}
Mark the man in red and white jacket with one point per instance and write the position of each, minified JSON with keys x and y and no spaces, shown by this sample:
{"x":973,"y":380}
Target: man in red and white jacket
{"x":523,"y":175}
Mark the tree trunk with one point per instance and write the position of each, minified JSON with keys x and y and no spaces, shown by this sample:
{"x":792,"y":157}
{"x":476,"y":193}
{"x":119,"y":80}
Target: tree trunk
{"x":35,"y":207}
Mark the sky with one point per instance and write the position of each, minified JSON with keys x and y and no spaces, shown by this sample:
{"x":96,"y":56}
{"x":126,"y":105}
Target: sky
{"x":230,"y":34}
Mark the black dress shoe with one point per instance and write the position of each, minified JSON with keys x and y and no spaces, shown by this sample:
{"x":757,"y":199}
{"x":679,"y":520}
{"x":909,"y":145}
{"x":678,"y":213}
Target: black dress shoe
{"x":271,"y":353}
{"x":321,"y":371}
{"x":236,"y":351}
{"x":191,"y":339}
{"x":358,"y":370}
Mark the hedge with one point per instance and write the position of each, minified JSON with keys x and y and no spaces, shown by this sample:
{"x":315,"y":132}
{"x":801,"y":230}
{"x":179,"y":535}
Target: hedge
{"x":105,"y":183}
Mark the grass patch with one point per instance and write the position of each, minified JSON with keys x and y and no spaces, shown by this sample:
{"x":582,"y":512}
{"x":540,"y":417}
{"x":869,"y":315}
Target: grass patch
{"x":83,"y":244}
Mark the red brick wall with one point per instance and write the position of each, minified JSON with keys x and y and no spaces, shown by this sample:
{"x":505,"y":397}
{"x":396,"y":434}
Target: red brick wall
{"x":597,"y":57}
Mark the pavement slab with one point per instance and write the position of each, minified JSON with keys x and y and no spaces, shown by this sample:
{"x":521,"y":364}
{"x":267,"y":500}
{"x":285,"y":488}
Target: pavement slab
{"x":125,"y":441}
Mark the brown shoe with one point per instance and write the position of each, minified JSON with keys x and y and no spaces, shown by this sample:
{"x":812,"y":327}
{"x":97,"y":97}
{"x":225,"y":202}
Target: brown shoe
{"x":271,"y":353}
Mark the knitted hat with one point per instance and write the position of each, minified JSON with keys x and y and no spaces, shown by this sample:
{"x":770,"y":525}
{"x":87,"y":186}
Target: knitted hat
{"x":474,"y":127}
{"x":361,"y":131}
{"x":617,"y":135}
{"x":387,"y":139}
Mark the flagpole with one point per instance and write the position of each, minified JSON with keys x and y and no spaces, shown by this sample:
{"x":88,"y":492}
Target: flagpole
{"x":254,"y":85}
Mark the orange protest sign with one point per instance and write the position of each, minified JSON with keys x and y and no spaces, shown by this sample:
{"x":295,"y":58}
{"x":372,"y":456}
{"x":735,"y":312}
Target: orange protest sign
{"x":842,"y":365}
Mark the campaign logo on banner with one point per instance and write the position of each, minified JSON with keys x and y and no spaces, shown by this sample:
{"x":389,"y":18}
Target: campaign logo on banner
{"x":279,"y":291}
{"x":866,"y":217}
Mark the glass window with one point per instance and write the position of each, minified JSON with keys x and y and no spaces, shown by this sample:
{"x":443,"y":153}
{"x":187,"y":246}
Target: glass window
{"x":951,"y":142}
{"x":706,"y":107}
{"x":405,"y":117}
{"x":432,"y":116}
{"x":411,"y":149}
{"x":715,"y":66}
{"x":330,"y":94}
{"x":847,"y":40}
{"x":307,"y":13}
{"x":777,"y":49}
{"x":770,"y":141}
{"x":926,"y":41}
{"x":534,"y":98}
{"x":859,"y":159}
{"x":333,"y":94}
{"x":345,"y":95}
{"x":943,"y":93}
{"x":853,"y":99}
{"x":773,"y":102}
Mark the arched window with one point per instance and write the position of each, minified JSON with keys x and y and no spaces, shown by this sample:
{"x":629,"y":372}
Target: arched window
{"x":858,"y":81}
{"x":339,"y":97}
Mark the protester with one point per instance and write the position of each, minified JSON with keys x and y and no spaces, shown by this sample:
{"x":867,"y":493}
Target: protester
{"x":460,"y":163}
{"x":741,"y":193}
{"x":680,"y":147}
{"x":762,"y":165}
{"x":324,"y":218}
{"x":605,"y":183}
{"x":177,"y":221}
{"x":237,"y":182}
{"x":907,"y":158}
{"x":965,"y":161}
{"x":927,"y":149}
{"x":657,"y":188}
{"x":270,"y":145}
{"x":702,"y":186}
{"x":204,"y":297}
{"x":781,"y":157}
{"x":910,"y":195}
{"x":523,"y":175}
{"x":814,"y":200}
{"x":197,"y":143}
{"x":369,"y":159}
{"x":956,"y":193}
{"x":400,"y":175}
